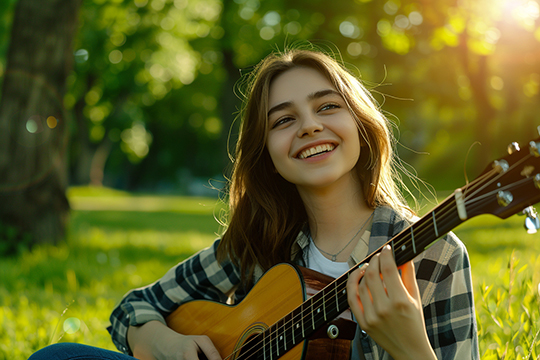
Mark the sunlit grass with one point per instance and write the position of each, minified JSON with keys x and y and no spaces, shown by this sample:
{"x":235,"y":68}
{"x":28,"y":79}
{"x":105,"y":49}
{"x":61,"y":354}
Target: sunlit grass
{"x":490,"y":242}
{"x":66,"y":293}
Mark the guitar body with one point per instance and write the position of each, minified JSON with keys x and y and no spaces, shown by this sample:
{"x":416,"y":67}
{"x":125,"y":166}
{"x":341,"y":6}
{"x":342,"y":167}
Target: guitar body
{"x":277,"y":293}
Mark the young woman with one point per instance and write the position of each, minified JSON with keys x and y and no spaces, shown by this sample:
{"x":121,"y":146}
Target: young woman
{"x":314,"y":183}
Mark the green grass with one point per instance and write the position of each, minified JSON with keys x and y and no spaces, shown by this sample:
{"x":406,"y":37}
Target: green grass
{"x":118,"y":241}
{"x":505,"y":264}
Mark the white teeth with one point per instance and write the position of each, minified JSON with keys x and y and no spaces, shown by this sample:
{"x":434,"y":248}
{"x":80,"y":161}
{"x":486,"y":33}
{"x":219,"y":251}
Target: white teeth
{"x":316,"y":150}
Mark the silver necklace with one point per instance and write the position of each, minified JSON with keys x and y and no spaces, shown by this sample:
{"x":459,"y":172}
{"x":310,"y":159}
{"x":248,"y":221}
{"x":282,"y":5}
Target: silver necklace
{"x":333,"y":257}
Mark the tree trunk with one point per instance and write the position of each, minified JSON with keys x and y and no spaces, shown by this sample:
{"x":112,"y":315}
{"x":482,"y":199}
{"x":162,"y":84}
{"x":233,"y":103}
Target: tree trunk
{"x":34,"y":123}
{"x":229,"y":103}
{"x":477,"y":70}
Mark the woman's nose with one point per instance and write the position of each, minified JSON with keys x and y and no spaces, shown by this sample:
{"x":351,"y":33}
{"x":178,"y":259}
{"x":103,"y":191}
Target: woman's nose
{"x":309,"y":125}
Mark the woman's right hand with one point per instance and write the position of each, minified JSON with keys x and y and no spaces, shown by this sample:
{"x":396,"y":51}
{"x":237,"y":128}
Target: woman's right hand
{"x":155,"y":341}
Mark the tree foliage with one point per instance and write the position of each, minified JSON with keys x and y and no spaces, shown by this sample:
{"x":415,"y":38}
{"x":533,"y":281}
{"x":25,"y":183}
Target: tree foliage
{"x":152,"y":94}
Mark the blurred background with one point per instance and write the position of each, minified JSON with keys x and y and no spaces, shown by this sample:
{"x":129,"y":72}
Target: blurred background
{"x":117,"y":116}
{"x":143,"y":94}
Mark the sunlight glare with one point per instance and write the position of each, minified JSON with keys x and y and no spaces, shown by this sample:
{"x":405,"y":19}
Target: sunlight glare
{"x":525,"y":12}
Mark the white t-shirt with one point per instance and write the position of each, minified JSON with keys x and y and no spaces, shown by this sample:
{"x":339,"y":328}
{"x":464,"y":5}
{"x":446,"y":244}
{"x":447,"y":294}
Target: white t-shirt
{"x":318,"y":262}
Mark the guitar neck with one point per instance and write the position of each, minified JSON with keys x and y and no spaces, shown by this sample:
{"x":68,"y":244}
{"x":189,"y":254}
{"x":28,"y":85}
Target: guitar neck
{"x":331,"y":301}
{"x":423,"y":233}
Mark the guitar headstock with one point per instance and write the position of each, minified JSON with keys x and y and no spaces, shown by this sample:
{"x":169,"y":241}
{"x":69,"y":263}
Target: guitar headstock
{"x":508,"y":185}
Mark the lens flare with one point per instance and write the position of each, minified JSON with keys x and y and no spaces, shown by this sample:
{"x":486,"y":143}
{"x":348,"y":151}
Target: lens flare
{"x":72,"y":325}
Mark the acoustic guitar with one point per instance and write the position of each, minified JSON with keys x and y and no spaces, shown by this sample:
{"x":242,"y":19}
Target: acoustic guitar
{"x":296,"y":313}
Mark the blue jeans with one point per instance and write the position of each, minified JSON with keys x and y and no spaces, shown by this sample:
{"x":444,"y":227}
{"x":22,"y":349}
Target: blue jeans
{"x":70,"y":351}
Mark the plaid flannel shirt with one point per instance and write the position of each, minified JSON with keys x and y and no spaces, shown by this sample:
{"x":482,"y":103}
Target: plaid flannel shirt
{"x":442,"y":272}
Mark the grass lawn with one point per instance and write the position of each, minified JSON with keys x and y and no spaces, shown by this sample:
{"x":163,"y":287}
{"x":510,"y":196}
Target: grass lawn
{"x":119,"y":241}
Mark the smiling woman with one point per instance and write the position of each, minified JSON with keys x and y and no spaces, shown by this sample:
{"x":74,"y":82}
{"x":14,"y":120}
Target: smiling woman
{"x":313,"y":184}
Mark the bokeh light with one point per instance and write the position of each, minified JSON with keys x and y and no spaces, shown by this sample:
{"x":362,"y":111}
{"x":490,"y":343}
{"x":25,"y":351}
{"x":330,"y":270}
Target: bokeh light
{"x":34,"y":124}
{"x":81,"y":55}
{"x":136,"y":141}
{"x":52,"y":122}
{"x":72,"y":325}
{"x":31,"y":126}
{"x":115,"y":56}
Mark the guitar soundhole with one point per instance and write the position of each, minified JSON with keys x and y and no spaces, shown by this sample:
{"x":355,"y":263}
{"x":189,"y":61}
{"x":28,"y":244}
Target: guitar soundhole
{"x":252,"y":349}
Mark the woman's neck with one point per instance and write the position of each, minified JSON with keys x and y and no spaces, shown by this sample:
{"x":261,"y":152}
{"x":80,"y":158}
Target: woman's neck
{"x":335,"y":214}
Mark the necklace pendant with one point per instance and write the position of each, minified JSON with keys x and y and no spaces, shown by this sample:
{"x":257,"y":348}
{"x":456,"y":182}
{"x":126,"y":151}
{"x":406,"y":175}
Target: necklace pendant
{"x":334,"y":258}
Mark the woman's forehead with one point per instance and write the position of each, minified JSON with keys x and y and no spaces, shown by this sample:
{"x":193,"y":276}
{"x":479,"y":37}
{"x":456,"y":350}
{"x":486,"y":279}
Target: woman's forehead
{"x":296,"y":84}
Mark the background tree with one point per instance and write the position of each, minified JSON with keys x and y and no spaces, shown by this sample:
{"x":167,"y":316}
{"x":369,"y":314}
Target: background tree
{"x":33,"y":124}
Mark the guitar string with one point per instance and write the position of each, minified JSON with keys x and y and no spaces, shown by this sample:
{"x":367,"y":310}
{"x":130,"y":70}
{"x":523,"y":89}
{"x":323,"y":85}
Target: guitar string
{"x":304,"y":313}
{"x":420,"y":230}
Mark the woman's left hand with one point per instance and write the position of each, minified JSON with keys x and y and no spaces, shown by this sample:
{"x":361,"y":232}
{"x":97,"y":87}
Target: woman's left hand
{"x":389,"y":307}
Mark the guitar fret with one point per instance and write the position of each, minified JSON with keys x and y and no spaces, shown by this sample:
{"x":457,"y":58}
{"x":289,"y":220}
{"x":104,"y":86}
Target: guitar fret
{"x":292,"y":328}
{"x":337,"y":299}
{"x":285,"y":333}
{"x":302,"y":320}
{"x":264,"y":346}
{"x":412,"y":238}
{"x":277,"y":345}
{"x":435,"y":224}
{"x":280,"y":335}
{"x":270,"y":344}
{"x":324,"y":306}
{"x":312,"y":315}
{"x":297,"y":314}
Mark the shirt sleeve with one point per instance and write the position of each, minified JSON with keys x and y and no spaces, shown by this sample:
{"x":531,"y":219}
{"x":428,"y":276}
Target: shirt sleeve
{"x":444,"y":280}
{"x":446,"y":286}
{"x":201,"y":277}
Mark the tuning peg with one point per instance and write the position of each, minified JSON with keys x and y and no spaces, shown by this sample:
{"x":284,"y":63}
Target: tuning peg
{"x":532,"y":223}
{"x":534,"y":148}
{"x":513,"y":147}
{"x":501,"y":166}
{"x":504,"y":198}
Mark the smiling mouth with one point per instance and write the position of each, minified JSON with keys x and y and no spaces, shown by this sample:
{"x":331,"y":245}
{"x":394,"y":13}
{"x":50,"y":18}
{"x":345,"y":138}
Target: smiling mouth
{"x":316,"y":150}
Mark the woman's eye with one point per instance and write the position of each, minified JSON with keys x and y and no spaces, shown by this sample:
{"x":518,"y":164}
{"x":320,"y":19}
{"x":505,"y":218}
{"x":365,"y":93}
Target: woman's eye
{"x":281,"y":121}
{"x":329,"y":107}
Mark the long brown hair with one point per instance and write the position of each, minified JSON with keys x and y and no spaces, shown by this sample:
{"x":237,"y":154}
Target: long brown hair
{"x":266,"y":212}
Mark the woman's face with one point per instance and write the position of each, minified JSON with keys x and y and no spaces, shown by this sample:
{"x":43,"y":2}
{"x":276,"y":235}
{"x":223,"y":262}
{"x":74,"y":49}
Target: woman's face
{"x":313,"y":140}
